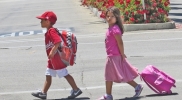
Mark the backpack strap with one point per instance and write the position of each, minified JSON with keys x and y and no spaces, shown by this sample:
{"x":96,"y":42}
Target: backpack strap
{"x":60,"y":35}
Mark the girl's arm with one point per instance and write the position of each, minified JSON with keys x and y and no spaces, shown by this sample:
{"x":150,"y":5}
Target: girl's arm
{"x":119,"y":40}
{"x":53,"y":50}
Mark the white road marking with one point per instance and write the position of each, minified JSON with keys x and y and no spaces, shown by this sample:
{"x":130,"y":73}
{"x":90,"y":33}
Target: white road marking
{"x":23,"y":46}
{"x":22,"y":40}
{"x":78,"y":36}
{"x":27,"y":33}
{"x":9,"y":1}
{"x":83,"y":88}
{"x":152,"y":40}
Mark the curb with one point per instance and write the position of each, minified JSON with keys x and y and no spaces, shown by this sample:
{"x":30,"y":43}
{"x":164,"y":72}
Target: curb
{"x":151,"y":26}
{"x":137,"y":27}
{"x":96,"y":13}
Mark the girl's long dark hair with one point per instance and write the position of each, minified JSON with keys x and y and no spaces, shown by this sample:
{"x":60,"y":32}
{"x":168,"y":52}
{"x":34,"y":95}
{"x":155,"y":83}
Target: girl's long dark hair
{"x":117,"y":14}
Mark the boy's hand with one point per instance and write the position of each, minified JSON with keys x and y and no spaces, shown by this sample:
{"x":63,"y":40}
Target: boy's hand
{"x":53,"y":50}
{"x":51,"y":55}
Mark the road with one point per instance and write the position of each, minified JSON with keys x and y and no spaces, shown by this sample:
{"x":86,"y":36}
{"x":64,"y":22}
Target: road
{"x":23,"y":58}
{"x":175,"y":12}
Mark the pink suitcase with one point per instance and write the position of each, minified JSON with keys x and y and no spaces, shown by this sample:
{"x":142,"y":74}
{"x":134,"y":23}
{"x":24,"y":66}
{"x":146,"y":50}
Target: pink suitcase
{"x":157,"y":80}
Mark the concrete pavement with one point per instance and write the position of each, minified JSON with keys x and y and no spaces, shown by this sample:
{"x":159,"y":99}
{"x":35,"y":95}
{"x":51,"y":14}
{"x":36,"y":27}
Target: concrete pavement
{"x":23,"y":58}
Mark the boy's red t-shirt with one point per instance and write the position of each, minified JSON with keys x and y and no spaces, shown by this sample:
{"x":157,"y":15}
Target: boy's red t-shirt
{"x":51,"y":38}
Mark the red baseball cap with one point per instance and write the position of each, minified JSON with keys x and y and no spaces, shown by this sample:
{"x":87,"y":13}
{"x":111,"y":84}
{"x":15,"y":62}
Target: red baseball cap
{"x":49,"y":15}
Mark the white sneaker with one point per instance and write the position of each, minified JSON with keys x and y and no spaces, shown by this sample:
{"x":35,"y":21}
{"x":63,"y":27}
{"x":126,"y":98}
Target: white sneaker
{"x":106,"y":97}
{"x":138,"y":90}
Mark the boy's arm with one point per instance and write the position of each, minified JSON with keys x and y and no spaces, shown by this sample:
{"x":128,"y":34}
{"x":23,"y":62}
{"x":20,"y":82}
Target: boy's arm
{"x":53,"y":50}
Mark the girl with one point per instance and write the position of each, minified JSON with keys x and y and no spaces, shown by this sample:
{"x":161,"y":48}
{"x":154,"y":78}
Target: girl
{"x":117,"y":69}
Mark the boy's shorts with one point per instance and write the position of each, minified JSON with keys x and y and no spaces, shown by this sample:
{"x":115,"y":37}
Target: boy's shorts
{"x":61,"y":72}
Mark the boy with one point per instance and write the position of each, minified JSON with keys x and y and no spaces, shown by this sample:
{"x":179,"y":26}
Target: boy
{"x":55,"y":65}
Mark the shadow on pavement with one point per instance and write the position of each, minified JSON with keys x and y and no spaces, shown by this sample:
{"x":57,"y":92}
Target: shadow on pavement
{"x":151,"y":95}
{"x":132,"y":98}
{"x":177,"y":20}
{"x":154,"y":95}
{"x":79,"y":98}
{"x":176,"y":14}
{"x":176,"y":8}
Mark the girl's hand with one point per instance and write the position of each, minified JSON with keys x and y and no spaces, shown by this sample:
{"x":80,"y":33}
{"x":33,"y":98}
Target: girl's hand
{"x":123,"y":56}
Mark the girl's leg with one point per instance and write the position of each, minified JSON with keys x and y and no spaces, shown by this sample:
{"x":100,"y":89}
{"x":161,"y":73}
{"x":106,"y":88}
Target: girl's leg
{"x":47,"y":83}
{"x":132,"y":83}
{"x":108,"y":95}
{"x":109,"y":87}
{"x":71,"y":81}
{"x":138,"y":88}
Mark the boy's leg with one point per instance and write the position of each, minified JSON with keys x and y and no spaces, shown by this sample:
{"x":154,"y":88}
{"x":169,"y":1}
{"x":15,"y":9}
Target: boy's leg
{"x":43,"y":94}
{"x":76,"y":91}
{"x":47,"y":83}
{"x":71,"y":81}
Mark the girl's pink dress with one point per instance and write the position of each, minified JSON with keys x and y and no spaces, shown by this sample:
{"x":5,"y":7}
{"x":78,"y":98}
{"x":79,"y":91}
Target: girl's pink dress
{"x":117,"y":69}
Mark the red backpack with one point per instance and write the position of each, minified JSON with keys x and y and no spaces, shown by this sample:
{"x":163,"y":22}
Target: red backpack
{"x":68,"y":47}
